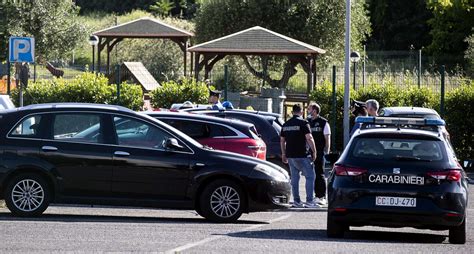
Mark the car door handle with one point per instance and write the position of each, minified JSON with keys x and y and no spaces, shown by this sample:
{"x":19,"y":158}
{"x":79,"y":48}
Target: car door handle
{"x":121,"y":153}
{"x":49,"y":148}
{"x":198,"y":164}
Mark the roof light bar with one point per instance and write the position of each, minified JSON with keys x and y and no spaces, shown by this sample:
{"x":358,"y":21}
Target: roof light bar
{"x":399,"y":121}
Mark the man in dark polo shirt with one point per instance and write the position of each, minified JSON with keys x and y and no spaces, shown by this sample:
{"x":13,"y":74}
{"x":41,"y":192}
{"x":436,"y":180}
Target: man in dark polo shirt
{"x":295,"y":134}
{"x":322,"y":138}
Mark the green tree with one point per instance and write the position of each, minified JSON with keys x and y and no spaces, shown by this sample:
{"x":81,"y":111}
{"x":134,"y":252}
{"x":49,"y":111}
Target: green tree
{"x":8,"y":25}
{"x":399,"y":24}
{"x":469,"y":54}
{"x":53,"y":24}
{"x":320,"y":23}
{"x":451,"y":24}
{"x":162,"y":7}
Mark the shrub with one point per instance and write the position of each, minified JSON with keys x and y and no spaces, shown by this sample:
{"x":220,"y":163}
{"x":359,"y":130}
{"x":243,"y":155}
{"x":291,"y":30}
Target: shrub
{"x":87,"y":87}
{"x":186,"y":89}
{"x":459,"y":116}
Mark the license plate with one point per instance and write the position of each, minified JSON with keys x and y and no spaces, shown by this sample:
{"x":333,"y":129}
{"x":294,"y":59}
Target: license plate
{"x":395,"y":201}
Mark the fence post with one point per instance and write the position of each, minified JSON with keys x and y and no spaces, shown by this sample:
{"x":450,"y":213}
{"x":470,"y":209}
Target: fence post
{"x":34,"y":72}
{"x":363,"y":67}
{"x":333,"y":117}
{"x":117,"y":71}
{"x":443,"y":70}
{"x":419,"y":68}
{"x":226,"y":78}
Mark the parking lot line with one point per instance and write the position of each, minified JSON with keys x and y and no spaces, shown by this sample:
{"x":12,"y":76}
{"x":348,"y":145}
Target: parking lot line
{"x":212,"y":238}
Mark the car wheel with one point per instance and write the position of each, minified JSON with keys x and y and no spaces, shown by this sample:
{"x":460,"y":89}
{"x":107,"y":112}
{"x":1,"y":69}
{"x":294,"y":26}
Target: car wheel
{"x":457,"y":235}
{"x":27,"y":195}
{"x":335,"y":229}
{"x":222,"y":201}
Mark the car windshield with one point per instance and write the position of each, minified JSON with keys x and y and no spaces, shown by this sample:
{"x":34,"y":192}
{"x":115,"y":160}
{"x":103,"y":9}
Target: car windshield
{"x":397,"y":149}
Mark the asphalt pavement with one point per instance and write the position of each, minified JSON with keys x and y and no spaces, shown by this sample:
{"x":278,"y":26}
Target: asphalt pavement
{"x":104,"y":229}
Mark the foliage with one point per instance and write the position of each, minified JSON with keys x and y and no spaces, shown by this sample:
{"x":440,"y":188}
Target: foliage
{"x":451,"y":24}
{"x":469,"y":54}
{"x":179,"y":8}
{"x":460,"y":119}
{"x":459,"y":114}
{"x":184,"y":90}
{"x":239,"y":77}
{"x":399,"y":24}
{"x":53,"y":24}
{"x":320,"y":23}
{"x":87,"y":87}
{"x":162,"y":7}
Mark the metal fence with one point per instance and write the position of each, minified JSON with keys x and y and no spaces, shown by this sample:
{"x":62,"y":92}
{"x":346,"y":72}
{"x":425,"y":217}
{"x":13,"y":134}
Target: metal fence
{"x":399,"y":68}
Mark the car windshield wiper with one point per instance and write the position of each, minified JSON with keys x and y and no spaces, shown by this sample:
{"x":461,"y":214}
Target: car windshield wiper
{"x":409,"y":158}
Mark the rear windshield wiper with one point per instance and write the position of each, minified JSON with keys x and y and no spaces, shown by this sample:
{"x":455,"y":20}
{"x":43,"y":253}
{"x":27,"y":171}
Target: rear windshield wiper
{"x":409,"y":158}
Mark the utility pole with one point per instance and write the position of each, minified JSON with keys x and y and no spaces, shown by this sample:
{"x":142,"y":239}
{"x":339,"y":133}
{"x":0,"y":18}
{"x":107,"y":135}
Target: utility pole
{"x":347,"y":72}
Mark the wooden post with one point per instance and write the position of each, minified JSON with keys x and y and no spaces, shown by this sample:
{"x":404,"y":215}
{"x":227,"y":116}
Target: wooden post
{"x":196,"y":66}
{"x":185,"y":49}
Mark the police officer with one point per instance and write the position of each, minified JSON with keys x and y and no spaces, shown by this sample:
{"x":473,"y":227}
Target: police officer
{"x":321,"y":132}
{"x":295,"y":134}
{"x":214,"y":96}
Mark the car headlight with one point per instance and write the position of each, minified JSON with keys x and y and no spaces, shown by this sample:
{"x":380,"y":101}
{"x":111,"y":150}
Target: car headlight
{"x":274,"y":173}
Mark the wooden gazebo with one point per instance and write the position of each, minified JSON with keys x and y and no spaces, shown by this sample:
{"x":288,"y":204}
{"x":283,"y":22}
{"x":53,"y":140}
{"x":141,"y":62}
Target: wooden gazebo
{"x":257,"y":41}
{"x":145,"y":28}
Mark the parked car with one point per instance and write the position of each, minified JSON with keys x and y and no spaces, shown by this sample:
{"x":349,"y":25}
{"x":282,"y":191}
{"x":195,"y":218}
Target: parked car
{"x":268,"y":126}
{"x":410,"y":112}
{"x":416,"y":112}
{"x":52,"y":153}
{"x":223,"y":134}
{"x":6,"y":102}
{"x":394,"y":175}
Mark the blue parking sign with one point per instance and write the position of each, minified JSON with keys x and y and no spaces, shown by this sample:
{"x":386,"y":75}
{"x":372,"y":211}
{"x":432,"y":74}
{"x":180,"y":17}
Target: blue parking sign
{"x":22,"y":49}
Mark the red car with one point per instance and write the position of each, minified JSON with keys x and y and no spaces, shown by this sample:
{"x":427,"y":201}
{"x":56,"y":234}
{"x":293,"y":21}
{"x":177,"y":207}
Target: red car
{"x":222,"y":134}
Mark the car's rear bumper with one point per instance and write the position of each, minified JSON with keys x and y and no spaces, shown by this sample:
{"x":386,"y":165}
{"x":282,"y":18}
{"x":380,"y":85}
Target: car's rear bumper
{"x":268,"y":195}
{"x":436,"y":220}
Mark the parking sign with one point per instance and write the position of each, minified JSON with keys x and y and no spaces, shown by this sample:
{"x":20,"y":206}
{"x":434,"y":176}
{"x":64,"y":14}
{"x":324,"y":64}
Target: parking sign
{"x":22,"y":49}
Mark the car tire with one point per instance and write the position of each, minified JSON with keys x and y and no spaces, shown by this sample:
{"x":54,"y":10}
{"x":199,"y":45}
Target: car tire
{"x":335,"y":229}
{"x":457,"y":235}
{"x":27,"y":195}
{"x":222,"y":201}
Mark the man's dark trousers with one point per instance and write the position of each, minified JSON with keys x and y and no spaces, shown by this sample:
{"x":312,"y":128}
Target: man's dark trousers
{"x":320,"y":180}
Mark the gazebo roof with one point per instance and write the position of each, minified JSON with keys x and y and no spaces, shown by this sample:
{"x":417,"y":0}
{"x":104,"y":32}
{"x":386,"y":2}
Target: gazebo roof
{"x":256,"y":40}
{"x":143,"y":28}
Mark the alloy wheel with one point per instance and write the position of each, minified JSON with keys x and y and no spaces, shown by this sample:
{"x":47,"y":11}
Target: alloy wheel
{"x":27,"y":195}
{"x":225,"y":201}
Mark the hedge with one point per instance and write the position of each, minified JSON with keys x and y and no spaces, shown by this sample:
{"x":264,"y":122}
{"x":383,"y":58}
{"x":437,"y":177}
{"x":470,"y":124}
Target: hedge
{"x":87,"y":87}
{"x":459,"y":111}
{"x":186,"y":89}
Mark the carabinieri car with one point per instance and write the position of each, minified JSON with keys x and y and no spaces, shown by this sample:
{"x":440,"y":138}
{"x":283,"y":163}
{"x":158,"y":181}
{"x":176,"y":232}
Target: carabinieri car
{"x":53,"y":153}
{"x":396,"y":172}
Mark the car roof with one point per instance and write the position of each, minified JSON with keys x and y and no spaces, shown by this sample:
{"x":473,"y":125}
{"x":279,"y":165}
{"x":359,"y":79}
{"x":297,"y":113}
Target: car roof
{"x":386,"y":132}
{"x":206,"y":118}
{"x":244,"y":111}
{"x":74,"y":105}
{"x":231,"y":112}
{"x":389,"y":111}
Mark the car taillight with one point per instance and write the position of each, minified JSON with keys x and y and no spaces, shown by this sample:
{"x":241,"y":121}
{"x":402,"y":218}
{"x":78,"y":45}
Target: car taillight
{"x":453,"y":175}
{"x":259,"y":150}
{"x":348,"y":171}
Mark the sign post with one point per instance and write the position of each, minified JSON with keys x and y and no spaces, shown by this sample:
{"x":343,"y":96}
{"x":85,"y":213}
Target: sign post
{"x":21,"y":51}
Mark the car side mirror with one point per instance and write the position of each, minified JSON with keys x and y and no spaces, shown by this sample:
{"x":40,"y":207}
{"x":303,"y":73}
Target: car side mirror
{"x":172,"y":144}
{"x":332,"y":157}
